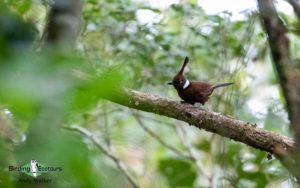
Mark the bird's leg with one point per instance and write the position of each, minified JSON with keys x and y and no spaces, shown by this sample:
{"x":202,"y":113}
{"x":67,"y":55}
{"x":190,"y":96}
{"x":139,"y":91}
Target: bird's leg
{"x":187,"y":103}
{"x":197,"y":105}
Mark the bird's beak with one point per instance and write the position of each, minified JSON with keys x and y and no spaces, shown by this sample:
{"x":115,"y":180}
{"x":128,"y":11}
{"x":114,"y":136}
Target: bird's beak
{"x":170,"y":83}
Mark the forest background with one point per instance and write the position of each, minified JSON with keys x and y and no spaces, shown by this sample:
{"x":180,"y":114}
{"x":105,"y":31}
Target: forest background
{"x":63,"y":65}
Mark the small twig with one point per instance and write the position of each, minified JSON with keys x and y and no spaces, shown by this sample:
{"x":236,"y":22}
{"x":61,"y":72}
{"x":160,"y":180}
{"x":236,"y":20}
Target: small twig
{"x":191,"y":156}
{"x":97,"y":142}
{"x":158,"y":138}
{"x":181,"y":135}
{"x":212,"y":156}
{"x":106,"y":128}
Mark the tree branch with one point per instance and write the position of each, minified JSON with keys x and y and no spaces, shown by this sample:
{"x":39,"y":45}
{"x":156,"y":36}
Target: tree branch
{"x":159,"y":139}
{"x":182,"y":136}
{"x":118,"y":162}
{"x":223,"y":125}
{"x":287,"y":70}
{"x":296,"y":6}
{"x":63,"y":21}
{"x":288,"y":73}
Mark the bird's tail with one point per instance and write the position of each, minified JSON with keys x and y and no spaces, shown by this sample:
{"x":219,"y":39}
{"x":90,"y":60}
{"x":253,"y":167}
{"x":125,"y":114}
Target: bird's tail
{"x":218,"y":85}
{"x":222,"y":85}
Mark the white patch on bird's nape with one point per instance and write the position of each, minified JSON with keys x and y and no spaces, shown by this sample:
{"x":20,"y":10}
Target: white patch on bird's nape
{"x":187,"y":83}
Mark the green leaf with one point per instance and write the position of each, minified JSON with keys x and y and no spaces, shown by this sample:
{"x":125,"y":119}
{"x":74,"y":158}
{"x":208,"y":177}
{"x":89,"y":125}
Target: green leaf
{"x":179,"y":173}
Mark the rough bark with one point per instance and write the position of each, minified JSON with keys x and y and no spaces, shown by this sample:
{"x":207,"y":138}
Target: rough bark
{"x":226,"y":126}
{"x":287,"y":70}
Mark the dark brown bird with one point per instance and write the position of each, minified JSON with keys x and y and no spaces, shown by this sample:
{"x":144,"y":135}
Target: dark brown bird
{"x":193,"y":92}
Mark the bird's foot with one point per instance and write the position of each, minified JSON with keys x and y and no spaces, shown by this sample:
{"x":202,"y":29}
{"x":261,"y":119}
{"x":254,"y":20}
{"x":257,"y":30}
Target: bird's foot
{"x":197,"y":105}
{"x":183,"y":102}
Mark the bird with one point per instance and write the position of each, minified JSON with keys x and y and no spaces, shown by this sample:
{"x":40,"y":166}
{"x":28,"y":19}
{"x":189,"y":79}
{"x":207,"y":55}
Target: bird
{"x":193,"y":92}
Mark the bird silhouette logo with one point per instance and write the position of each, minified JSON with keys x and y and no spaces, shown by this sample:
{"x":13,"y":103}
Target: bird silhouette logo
{"x":34,"y":167}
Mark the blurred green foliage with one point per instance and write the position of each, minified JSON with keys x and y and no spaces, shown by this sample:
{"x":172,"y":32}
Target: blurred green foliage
{"x":179,"y":173}
{"x":43,"y":90}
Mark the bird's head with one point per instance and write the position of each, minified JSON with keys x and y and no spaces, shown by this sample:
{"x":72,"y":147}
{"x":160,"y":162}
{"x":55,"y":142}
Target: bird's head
{"x":179,"y":81}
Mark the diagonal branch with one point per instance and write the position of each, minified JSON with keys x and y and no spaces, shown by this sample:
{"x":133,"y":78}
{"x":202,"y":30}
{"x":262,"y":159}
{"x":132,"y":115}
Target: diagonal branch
{"x":159,"y":139}
{"x":182,"y":136}
{"x":223,"y":125}
{"x":118,"y":162}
